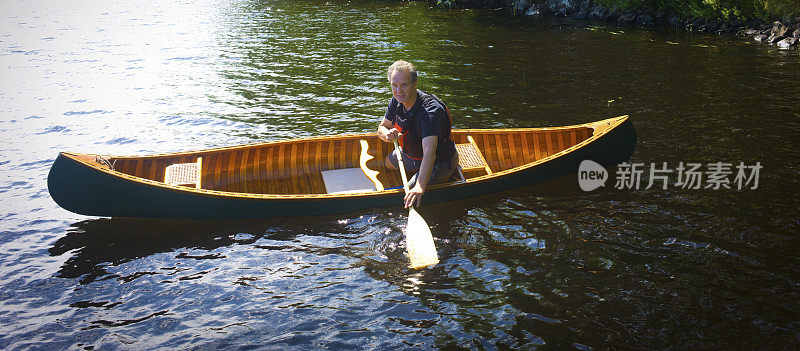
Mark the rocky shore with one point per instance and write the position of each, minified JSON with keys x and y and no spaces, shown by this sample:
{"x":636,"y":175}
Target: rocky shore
{"x":784,"y":34}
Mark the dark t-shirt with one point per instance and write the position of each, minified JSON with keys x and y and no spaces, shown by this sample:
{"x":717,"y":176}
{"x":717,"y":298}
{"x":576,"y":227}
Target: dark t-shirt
{"x":429,"y":116}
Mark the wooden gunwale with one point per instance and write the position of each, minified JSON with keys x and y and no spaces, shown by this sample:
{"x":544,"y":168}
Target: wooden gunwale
{"x":220,"y":153}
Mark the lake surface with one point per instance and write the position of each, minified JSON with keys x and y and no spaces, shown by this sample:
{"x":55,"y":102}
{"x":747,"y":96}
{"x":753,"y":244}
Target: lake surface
{"x":547,"y":266}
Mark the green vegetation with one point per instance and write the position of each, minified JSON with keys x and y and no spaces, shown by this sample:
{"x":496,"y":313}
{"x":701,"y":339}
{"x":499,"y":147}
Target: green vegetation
{"x":715,"y":9}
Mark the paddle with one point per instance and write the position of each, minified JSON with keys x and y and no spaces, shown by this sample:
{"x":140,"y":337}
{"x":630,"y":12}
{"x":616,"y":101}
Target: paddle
{"x":419,"y":241}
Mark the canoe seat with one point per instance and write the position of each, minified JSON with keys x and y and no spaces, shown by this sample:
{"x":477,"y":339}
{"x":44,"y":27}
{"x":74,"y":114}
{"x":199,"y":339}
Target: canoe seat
{"x":346,"y":180}
{"x":470,"y":157}
{"x":184,"y":174}
{"x":353,"y":180}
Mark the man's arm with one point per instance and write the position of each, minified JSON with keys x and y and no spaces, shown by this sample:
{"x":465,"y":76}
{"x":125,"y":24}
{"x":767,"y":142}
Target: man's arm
{"x":429,"y":144}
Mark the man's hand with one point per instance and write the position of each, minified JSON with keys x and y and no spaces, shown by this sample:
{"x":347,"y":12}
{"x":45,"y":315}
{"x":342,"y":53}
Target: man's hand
{"x":386,"y":131}
{"x":414,"y":195}
{"x":392,"y":134}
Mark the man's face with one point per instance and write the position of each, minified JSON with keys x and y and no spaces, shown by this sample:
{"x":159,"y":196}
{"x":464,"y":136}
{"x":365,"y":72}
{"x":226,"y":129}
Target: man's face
{"x":403,"y":89}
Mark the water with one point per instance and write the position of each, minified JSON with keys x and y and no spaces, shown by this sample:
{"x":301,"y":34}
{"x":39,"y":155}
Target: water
{"x":546,"y":266}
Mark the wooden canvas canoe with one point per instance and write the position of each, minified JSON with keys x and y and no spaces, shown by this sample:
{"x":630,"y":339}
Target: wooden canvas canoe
{"x":293,"y":177}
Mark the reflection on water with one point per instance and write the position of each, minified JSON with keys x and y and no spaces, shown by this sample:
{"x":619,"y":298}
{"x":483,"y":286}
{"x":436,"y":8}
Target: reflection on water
{"x":546,"y":266}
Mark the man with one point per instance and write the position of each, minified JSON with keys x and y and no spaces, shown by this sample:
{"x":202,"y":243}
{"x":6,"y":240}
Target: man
{"x":421,"y":123}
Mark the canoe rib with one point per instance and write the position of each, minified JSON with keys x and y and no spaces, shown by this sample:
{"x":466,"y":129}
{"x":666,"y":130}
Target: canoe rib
{"x":282,"y":178}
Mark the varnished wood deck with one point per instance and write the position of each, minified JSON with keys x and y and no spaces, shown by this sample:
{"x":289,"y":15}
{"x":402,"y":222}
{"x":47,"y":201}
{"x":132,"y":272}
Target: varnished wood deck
{"x":295,"y":166}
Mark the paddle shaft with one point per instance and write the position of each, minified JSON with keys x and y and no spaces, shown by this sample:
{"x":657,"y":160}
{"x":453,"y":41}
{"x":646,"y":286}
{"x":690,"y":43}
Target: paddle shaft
{"x":400,"y":165}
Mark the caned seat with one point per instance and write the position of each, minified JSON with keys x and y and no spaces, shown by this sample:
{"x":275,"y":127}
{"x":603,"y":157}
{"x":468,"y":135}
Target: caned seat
{"x":470,"y":157}
{"x":184,"y":174}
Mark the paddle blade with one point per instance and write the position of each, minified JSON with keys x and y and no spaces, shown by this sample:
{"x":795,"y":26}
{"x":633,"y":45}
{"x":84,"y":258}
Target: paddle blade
{"x":419,"y":242}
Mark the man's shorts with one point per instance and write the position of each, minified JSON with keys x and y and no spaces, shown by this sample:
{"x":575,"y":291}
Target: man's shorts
{"x":442,"y":171}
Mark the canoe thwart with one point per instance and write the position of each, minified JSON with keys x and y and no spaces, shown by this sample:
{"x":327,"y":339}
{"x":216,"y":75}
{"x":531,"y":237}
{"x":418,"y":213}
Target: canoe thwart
{"x":184,"y":174}
{"x":371,"y":174}
{"x":470,"y":157}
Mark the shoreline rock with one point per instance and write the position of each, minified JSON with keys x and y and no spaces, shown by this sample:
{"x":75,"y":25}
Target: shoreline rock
{"x":783,"y":34}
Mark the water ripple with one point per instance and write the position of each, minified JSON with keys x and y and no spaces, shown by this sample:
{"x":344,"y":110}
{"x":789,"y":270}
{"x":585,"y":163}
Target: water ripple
{"x":545,"y":266}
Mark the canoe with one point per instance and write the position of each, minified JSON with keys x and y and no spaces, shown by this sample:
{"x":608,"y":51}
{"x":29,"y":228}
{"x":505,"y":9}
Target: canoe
{"x":321,"y":175}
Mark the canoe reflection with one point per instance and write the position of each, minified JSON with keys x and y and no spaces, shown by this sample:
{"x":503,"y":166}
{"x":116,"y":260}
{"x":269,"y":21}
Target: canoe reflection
{"x":96,"y":246}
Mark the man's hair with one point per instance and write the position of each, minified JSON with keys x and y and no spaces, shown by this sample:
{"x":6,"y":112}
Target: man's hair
{"x":403,"y":66}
